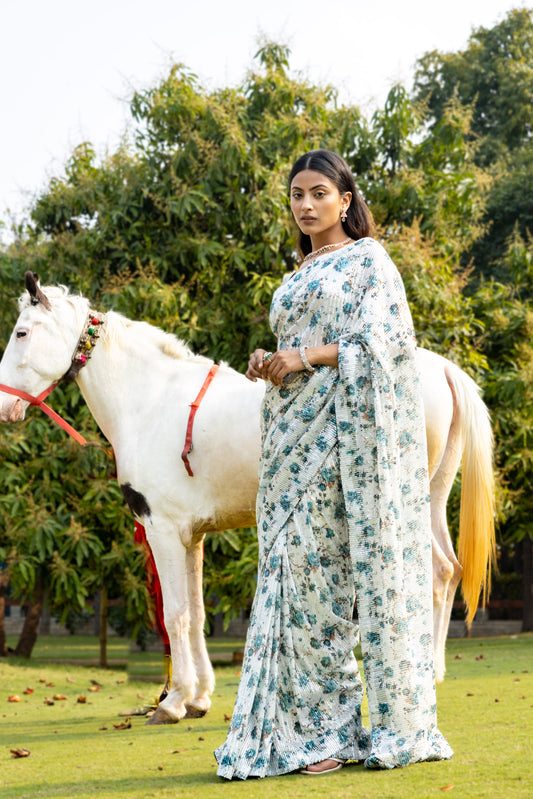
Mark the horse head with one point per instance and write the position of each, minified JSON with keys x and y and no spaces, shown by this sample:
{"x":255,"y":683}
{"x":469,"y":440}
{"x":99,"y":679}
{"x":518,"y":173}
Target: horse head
{"x":40,"y":349}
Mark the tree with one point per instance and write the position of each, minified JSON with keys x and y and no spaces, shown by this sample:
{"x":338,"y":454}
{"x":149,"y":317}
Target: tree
{"x":493,"y":79}
{"x":493,"y":76}
{"x":51,"y":551}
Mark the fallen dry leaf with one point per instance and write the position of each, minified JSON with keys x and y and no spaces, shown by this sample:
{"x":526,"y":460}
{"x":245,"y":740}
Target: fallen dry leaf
{"x":20,"y":752}
{"x":102,"y":728}
{"x":69,"y":679}
{"x":160,"y":768}
{"x":48,"y":701}
{"x":470,"y":694}
{"x":94,"y":688}
{"x":95,"y":682}
{"x":14,"y":698}
{"x":50,"y":685}
{"x":458,"y":657}
{"x":479,"y":657}
{"x":226,"y":717}
{"x":28,"y":691}
{"x":201,"y":739}
{"x":81,"y":700}
{"x":176,"y":752}
{"x":447,"y":787}
{"x":60,"y":697}
{"x":125,"y":725}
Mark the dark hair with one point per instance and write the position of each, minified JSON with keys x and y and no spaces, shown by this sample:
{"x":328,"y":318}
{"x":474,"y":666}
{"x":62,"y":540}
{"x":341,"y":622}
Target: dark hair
{"x":358,"y":222}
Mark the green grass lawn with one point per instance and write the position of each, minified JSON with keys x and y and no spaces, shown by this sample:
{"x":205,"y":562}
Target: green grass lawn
{"x":485,"y":710}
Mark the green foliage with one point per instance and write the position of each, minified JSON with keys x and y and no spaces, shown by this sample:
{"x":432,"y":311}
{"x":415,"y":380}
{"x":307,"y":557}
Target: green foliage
{"x":493,"y":80}
{"x":493,"y":76}
{"x":444,"y":318}
{"x":424,"y":175}
{"x":230,"y":571}
{"x":507,"y":344}
{"x":45,"y":538}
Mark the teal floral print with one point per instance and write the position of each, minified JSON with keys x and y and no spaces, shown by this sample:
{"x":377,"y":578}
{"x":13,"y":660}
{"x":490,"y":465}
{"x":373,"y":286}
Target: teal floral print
{"x":343,"y":517}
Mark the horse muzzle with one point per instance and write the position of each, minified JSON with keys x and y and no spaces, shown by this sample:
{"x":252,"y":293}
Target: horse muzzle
{"x":12,"y":409}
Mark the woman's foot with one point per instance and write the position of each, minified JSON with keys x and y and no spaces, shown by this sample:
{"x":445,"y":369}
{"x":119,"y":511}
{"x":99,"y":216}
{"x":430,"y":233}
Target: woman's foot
{"x":324,"y":767}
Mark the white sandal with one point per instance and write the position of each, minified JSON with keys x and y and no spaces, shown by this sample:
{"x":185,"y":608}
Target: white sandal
{"x":340,"y":763}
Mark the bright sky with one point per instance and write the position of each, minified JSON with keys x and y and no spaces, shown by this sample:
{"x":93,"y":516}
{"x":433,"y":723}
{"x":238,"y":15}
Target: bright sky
{"x":68,"y":68}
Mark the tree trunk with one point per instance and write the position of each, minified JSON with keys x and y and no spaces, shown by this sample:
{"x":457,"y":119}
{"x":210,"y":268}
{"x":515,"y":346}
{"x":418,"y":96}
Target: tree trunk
{"x":96,"y":629}
{"x":3,"y":590}
{"x":527,"y":558}
{"x":103,"y":628}
{"x":30,"y":629}
{"x":46,"y":618}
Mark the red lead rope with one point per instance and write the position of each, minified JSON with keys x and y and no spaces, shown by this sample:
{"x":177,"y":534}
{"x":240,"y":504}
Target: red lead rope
{"x":194,"y":407}
{"x":38,"y":401}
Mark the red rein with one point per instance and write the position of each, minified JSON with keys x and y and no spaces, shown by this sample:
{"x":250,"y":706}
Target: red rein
{"x":39,"y":402}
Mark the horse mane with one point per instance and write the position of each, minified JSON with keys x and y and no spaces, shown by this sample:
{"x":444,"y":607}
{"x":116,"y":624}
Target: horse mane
{"x":118,"y":328}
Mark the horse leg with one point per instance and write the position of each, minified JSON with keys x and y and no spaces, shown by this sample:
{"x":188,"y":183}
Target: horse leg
{"x":446,"y":568}
{"x":200,"y":704}
{"x":170,"y":558}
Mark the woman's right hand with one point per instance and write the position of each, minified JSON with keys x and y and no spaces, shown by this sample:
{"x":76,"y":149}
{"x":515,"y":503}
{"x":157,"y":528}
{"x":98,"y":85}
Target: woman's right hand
{"x":255,"y":365}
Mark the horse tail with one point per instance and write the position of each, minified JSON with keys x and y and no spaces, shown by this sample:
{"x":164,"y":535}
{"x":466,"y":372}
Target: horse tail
{"x":477,"y":544}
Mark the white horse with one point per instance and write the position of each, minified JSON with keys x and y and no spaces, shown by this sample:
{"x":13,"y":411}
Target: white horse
{"x":139,"y":384}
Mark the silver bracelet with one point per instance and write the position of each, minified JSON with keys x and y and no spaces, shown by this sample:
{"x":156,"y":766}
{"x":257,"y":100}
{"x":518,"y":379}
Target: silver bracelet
{"x":305,"y":359}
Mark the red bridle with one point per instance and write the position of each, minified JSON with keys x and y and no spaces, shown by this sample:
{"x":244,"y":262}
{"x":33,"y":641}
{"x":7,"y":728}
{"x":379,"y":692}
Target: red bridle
{"x":83,"y":351}
{"x":39,"y":402}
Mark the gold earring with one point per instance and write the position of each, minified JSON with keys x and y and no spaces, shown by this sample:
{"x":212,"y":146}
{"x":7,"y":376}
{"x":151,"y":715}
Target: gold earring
{"x":343,"y":215}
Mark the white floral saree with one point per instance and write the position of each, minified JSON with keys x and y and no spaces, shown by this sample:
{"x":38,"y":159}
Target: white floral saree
{"x":343,"y":514}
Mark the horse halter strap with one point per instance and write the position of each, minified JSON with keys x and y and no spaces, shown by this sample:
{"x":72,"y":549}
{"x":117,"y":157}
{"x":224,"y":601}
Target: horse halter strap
{"x":192,"y":413}
{"x":86,"y":343}
{"x":82,"y":353}
{"x":39,"y":402}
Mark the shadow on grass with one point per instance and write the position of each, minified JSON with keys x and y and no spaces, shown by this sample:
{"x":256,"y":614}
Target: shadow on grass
{"x":175,"y":784}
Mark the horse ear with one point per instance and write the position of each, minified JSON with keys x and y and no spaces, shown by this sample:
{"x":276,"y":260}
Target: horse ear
{"x":31,"y":281}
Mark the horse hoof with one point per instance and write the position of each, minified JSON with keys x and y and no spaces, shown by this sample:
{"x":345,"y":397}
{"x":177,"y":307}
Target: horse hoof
{"x":194,"y":712}
{"x":160,"y":716}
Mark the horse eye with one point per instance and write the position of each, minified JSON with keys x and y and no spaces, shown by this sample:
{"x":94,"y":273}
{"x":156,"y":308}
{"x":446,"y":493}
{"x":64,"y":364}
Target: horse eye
{"x":22,"y":333}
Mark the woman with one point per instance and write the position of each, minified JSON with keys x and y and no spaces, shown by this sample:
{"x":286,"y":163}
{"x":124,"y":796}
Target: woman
{"x":342,"y":510}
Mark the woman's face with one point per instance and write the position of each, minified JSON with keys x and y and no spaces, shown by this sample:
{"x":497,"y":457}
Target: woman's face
{"x":317,"y":206}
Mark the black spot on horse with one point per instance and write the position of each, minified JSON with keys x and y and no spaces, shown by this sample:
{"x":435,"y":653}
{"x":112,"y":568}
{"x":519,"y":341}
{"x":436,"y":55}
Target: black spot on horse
{"x":136,"y":501}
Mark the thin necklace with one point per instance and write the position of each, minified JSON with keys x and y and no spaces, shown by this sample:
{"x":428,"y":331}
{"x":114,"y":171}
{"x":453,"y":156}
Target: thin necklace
{"x":326,"y":248}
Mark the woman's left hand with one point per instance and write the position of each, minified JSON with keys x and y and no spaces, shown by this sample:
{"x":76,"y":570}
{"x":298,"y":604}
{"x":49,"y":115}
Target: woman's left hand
{"x":280,"y":364}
